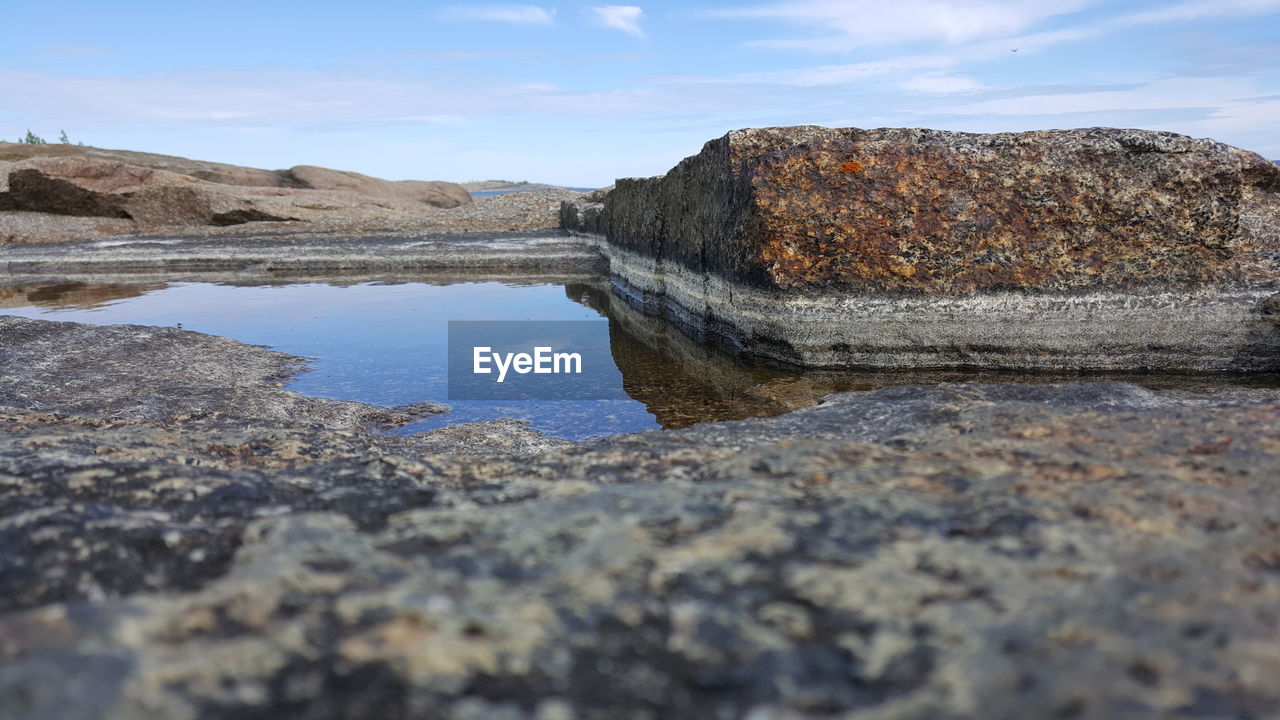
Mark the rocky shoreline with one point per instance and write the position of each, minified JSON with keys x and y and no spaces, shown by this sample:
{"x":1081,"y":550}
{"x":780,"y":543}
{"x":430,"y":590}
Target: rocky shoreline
{"x":958,"y":550}
{"x":181,"y":537}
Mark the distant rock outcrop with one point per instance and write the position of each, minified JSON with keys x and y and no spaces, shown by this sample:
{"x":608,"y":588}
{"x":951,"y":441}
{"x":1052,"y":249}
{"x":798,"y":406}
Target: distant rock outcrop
{"x":200,"y":169}
{"x":161,"y":191}
{"x":113,"y":189}
{"x":436,"y":194}
{"x":1079,"y":248}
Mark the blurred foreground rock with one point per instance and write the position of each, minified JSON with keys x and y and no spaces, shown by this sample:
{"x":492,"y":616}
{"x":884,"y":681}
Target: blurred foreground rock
{"x":993,"y":551}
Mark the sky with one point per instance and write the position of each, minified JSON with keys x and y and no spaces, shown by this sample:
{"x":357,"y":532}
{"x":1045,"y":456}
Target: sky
{"x":580,"y":93}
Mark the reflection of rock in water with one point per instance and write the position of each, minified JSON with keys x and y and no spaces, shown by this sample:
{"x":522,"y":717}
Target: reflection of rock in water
{"x":685,"y":380}
{"x":72,"y":295}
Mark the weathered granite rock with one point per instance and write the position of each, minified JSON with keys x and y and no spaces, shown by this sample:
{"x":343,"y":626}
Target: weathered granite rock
{"x":1081,"y":550}
{"x":1091,"y":248}
{"x":433,"y":193}
{"x":160,"y":199}
{"x":108,"y":188}
{"x":162,"y":373}
{"x":141,"y":192}
{"x":200,"y":169}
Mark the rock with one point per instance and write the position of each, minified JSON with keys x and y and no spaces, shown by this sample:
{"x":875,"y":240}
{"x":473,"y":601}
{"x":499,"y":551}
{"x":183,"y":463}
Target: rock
{"x":161,"y":373}
{"x":159,"y":199}
{"x":1271,"y":308}
{"x":1085,"y":549}
{"x":584,"y":215}
{"x":342,"y":252}
{"x":1091,"y":248}
{"x":108,"y":188}
{"x":436,"y":194}
{"x":157,"y":191}
{"x":209,"y":171}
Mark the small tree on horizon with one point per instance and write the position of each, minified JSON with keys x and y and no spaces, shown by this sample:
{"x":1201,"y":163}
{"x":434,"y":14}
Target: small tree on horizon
{"x":33,"y":139}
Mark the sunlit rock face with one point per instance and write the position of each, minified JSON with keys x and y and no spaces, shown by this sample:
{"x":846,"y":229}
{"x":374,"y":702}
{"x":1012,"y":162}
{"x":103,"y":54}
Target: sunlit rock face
{"x":1071,"y":248}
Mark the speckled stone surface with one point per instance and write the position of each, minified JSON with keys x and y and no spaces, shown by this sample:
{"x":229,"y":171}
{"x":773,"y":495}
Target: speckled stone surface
{"x":922,"y":248}
{"x":946,"y":213}
{"x":957,"y":551}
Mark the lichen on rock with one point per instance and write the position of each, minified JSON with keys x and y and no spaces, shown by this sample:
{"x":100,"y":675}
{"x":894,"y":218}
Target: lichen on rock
{"x":907,"y":247}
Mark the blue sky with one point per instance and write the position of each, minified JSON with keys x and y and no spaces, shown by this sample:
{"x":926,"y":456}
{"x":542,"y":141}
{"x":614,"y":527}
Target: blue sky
{"x":581,"y":93}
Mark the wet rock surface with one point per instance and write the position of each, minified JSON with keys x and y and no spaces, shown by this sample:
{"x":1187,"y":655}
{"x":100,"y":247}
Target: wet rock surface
{"x":999,"y":551}
{"x":161,"y":373}
{"x":262,"y":252}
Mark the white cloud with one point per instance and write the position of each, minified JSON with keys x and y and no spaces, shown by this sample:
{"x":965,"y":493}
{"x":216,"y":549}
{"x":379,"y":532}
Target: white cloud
{"x":296,"y":98}
{"x":514,"y":14}
{"x":827,"y":75}
{"x":936,"y":83}
{"x":981,"y":25}
{"x":1199,"y":10}
{"x":1219,"y":94}
{"x":851,"y":24}
{"x":619,"y":17}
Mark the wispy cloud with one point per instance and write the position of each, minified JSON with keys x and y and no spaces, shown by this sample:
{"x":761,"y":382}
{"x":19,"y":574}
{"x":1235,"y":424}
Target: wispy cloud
{"x":619,"y":17}
{"x":937,"y":83}
{"x":1200,"y":10}
{"x":1167,"y":94}
{"x":973,"y":26}
{"x":514,"y":14}
{"x":846,"y":25}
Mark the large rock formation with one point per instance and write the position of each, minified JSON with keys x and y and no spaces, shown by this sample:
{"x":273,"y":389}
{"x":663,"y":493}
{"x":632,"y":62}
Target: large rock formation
{"x":959,"y":551}
{"x":144,"y":192}
{"x":112,"y":189}
{"x":199,"y":169}
{"x":158,"y":199}
{"x":903,"y":247}
{"x":432,"y":193}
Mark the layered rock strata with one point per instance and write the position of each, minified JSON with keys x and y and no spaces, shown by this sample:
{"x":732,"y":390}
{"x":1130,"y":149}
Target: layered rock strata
{"x":1100,"y":248}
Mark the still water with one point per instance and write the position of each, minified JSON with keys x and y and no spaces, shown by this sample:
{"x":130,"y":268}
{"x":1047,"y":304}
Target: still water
{"x":386,"y":344}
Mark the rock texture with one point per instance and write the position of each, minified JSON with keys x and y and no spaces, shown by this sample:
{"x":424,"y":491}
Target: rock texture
{"x":436,"y":194}
{"x":202,"y":170}
{"x":433,"y":193}
{"x":134,"y":192}
{"x":910,"y":247}
{"x":161,"y":373}
{"x":106,"y":188}
{"x":1080,"y":550}
{"x":264,"y":252}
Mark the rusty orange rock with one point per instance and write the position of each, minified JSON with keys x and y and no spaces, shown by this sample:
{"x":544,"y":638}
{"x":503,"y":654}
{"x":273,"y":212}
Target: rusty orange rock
{"x":1097,"y":248}
{"x":946,"y":213}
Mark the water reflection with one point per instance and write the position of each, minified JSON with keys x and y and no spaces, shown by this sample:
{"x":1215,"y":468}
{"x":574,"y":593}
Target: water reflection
{"x":77,"y":295}
{"x":384,"y":343}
